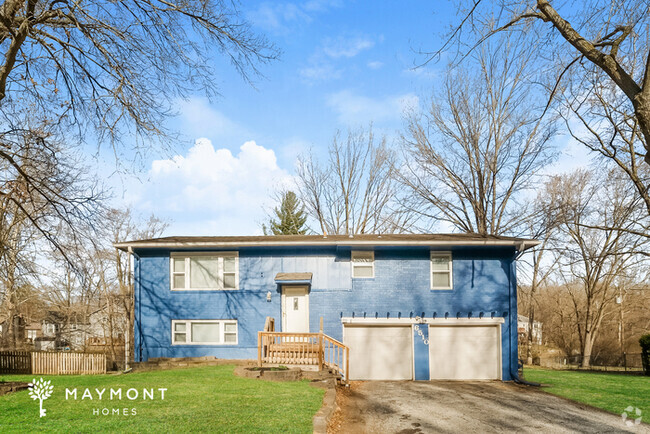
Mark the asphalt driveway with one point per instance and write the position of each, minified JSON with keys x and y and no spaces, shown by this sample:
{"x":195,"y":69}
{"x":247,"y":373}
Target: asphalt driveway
{"x":465,"y":407}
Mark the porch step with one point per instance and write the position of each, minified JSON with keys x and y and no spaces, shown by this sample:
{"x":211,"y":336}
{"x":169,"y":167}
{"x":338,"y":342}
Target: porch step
{"x":156,"y":363}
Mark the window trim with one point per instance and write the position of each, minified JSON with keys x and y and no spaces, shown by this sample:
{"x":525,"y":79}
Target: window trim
{"x":188,"y":331}
{"x":353,"y":266}
{"x":220,"y":269}
{"x":442,"y":254}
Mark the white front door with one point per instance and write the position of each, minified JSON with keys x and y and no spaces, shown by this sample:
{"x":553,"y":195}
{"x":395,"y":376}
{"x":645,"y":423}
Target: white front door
{"x":295,"y":309}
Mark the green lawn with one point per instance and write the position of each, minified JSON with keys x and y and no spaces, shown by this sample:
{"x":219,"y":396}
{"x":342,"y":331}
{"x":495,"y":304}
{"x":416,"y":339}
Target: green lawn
{"x":611,"y":392}
{"x":197,"y":400}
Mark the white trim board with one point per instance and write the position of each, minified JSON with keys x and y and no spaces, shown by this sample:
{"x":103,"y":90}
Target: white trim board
{"x":430,"y":321}
{"x":520,"y":245}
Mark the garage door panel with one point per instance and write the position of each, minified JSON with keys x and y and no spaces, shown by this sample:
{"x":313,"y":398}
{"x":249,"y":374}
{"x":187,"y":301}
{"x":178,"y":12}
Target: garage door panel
{"x":464,"y":353}
{"x":380,"y":353}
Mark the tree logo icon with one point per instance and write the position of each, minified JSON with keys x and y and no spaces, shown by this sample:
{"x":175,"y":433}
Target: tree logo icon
{"x":631,"y":416}
{"x":40,"y":390}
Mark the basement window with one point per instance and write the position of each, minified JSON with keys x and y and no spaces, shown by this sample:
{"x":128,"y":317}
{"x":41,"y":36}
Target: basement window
{"x":441,"y":270}
{"x":204,"y":271}
{"x":363,"y":264}
{"x":204,"y":332}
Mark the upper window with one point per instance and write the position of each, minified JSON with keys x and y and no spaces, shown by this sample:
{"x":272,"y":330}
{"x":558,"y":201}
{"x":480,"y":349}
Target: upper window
{"x":31,"y":334}
{"x":363,"y":263}
{"x":441,"y":271}
{"x":204,"y":271}
{"x":204,"y":332}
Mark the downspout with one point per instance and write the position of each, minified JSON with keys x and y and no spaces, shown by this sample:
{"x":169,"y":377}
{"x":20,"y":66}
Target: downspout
{"x":513,"y":285}
{"x":139,"y":280}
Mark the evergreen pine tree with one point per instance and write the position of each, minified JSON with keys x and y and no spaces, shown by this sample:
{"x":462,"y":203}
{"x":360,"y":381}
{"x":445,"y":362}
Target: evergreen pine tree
{"x":290,"y":217}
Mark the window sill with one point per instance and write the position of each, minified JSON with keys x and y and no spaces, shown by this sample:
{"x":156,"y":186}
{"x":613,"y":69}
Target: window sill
{"x":186,"y":344}
{"x":203,"y":289}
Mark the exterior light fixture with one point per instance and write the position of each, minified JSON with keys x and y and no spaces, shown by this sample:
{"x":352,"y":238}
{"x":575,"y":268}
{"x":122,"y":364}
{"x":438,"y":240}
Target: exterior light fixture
{"x":268,"y":296}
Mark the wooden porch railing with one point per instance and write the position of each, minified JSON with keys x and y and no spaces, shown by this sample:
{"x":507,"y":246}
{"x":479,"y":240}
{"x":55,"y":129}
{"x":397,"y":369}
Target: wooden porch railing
{"x":303,"y":349}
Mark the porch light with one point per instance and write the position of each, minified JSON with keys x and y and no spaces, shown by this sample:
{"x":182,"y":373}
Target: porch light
{"x":268,"y":296}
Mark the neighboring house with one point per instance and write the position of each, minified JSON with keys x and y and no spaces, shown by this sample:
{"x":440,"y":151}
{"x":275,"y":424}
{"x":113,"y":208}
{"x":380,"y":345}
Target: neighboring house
{"x":108,"y":322}
{"x":430,"y":306}
{"x":33,"y":330}
{"x":106,"y":331}
{"x":60,"y":332}
{"x":522,"y":327}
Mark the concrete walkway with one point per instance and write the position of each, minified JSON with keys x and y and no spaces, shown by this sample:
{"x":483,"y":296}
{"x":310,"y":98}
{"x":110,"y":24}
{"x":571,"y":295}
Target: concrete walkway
{"x":466,"y":407}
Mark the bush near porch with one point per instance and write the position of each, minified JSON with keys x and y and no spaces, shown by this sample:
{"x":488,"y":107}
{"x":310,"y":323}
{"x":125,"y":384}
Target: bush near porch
{"x":197,"y":400}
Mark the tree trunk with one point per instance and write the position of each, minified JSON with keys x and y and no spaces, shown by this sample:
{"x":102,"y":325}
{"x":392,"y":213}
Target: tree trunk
{"x":642,"y":111}
{"x":529,"y":341}
{"x":586,"y":350}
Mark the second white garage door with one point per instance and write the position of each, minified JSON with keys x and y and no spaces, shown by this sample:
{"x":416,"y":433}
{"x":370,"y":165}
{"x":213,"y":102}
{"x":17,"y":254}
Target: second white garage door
{"x":464,"y":353}
{"x":380,"y":353}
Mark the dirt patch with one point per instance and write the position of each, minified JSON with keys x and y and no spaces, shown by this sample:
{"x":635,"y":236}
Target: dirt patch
{"x":346,"y":407}
{"x":12,"y":386}
{"x":272,"y":374}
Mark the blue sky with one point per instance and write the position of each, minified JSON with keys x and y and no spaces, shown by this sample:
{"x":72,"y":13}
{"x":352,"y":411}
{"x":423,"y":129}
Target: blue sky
{"x":343,"y":65}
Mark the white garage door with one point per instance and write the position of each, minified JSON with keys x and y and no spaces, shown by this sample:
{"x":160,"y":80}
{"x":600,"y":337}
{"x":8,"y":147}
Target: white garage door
{"x":380,"y":353}
{"x":464,"y":352}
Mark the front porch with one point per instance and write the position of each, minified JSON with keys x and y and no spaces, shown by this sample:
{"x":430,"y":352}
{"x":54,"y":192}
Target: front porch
{"x":310,"y":351}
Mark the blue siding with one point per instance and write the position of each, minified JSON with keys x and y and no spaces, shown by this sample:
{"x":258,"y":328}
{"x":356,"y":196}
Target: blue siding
{"x":484,"y":284}
{"x":421,"y":351}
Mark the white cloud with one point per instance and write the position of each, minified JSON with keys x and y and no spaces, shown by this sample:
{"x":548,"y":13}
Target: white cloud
{"x":319,"y":72}
{"x":346,"y":47}
{"x":358,"y":109}
{"x":213,"y":192}
{"x":199,"y":119}
{"x":278,"y":17}
{"x":375,"y":65}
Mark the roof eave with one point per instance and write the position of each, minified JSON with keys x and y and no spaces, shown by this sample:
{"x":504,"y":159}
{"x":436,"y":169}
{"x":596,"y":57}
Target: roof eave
{"x":521,"y":245}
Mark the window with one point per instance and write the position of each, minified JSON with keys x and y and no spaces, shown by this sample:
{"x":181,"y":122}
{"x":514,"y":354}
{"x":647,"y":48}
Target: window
{"x":441,"y":271}
{"x":204,"y":332}
{"x":31,"y":334}
{"x":363,"y":264}
{"x":201,"y":271}
{"x":50,"y":329}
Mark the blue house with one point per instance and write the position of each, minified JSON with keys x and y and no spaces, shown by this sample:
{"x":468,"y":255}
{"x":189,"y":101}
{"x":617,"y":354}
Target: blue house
{"x":420,"y":306}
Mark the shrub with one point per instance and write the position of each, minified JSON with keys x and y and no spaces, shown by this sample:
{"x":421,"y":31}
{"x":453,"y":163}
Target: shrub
{"x":645,"y":353}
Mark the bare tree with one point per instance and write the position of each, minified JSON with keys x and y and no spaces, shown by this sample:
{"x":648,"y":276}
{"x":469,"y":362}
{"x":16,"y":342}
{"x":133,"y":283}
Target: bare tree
{"x":591,"y":259}
{"x":41,"y":188}
{"x":354,"y":191}
{"x":119,"y":64}
{"x":542,"y":225}
{"x":121,"y":225}
{"x":97,"y":72}
{"x":480,"y":145}
{"x":606,"y":125}
{"x":610,"y":36}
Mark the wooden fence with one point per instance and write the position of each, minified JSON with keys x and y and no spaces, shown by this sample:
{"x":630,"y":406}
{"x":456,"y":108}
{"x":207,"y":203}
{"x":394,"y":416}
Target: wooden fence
{"x":52,"y":363}
{"x":15,"y":362}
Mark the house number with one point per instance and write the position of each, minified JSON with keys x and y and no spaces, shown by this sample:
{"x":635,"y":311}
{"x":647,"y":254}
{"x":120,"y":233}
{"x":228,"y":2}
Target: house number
{"x":417,"y":329}
{"x":295,"y":303}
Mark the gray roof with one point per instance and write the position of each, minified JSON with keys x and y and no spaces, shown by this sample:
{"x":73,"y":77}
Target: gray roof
{"x":441,"y":240}
{"x":293,"y":277}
